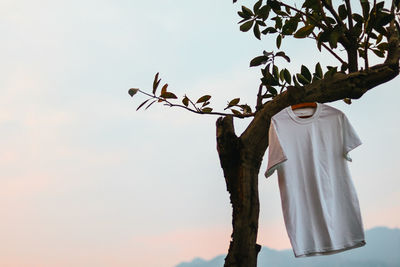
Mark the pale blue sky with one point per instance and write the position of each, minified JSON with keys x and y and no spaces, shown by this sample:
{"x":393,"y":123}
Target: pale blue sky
{"x":88,"y":181}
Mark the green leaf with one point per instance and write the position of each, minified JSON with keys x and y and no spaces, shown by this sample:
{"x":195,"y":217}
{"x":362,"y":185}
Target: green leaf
{"x":269,"y":80}
{"x":276,"y":72}
{"x":383,"y":46}
{"x":257,"y":61}
{"x":333,"y":38}
{"x":379,"y":53}
{"x":205,"y":104}
{"x":168,"y":95}
{"x":290,"y":26}
{"x":296,"y":83}
{"x":185,"y":101}
{"x":344,"y":67}
{"x":286,"y":75}
{"x":269,"y":30}
{"x":357,"y":30}
{"x":236,"y":112}
{"x":281,"y":75}
{"x":282,"y":54}
{"x":365,"y":7}
{"x":287,"y":8}
{"x":304,"y":32}
{"x":156,"y":82}
{"x":133,"y":91}
{"x":261,"y":23}
{"x":243,"y":15}
{"x":264,"y":12}
{"x":278,"y":22}
{"x":141,"y":105}
{"x":324,"y":36}
{"x":306,"y":73}
{"x":302,"y":79}
{"x":358,"y":18}
{"x":331,"y":20}
{"x":385,"y":19}
{"x":246,"y":108}
{"x":274,"y":4}
{"x":342,"y":12}
{"x":373,"y":35}
{"x":281,"y":13}
{"x":256,"y":31}
{"x":247,"y":11}
{"x":246,"y":26}
{"x":206,"y":110}
{"x":380,"y":5}
{"x":257,"y":6}
{"x":380,"y":29}
{"x":233,"y":102}
{"x":312,"y":4}
{"x":204,"y":98}
{"x":278,"y":41}
{"x":318,"y":71}
{"x":331,"y":71}
{"x":272,"y":90}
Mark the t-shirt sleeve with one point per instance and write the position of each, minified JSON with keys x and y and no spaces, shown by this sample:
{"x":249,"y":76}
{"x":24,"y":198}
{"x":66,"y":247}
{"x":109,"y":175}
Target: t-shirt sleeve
{"x":276,"y":155}
{"x":350,"y":138}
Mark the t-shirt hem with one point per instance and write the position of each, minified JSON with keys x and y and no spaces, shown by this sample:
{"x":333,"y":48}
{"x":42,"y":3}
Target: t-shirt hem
{"x":329,"y":250}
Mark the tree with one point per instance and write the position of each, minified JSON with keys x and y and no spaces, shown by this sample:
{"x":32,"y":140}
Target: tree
{"x":333,"y":26}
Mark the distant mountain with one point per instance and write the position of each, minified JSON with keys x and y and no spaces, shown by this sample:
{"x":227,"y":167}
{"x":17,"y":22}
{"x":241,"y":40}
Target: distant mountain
{"x":382,"y":250}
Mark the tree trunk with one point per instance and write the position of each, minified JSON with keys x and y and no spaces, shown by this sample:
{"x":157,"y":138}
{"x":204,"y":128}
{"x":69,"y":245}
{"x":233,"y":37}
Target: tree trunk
{"x":241,"y":170}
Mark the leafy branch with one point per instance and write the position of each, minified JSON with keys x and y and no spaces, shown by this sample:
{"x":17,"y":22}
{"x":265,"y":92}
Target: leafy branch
{"x":326,"y":29}
{"x":201,"y":106}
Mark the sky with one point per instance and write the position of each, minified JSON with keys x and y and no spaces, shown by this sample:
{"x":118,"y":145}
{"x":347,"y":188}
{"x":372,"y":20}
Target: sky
{"x":86,"y":180}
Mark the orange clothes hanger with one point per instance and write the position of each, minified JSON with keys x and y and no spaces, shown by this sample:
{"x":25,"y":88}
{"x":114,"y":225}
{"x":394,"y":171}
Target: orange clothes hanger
{"x":305,"y":105}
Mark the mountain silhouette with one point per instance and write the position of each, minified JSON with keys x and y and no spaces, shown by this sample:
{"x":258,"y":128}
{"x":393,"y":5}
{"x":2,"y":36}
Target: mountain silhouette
{"x":382,"y":250}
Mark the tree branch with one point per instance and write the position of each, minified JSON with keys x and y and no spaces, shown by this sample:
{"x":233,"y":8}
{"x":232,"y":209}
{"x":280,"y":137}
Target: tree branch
{"x":334,"y":14}
{"x":330,"y":50}
{"x":349,"y":14}
{"x":197,"y":111}
{"x":340,"y":86}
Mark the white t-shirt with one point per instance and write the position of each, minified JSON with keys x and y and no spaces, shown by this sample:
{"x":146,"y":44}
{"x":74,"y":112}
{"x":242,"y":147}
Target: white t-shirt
{"x":319,"y":202}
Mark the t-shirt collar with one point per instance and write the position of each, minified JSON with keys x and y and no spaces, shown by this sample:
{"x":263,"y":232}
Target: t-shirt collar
{"x":304,"y":120}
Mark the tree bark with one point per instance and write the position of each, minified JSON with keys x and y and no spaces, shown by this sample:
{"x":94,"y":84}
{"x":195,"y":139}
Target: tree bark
{"x":241,"y":176}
